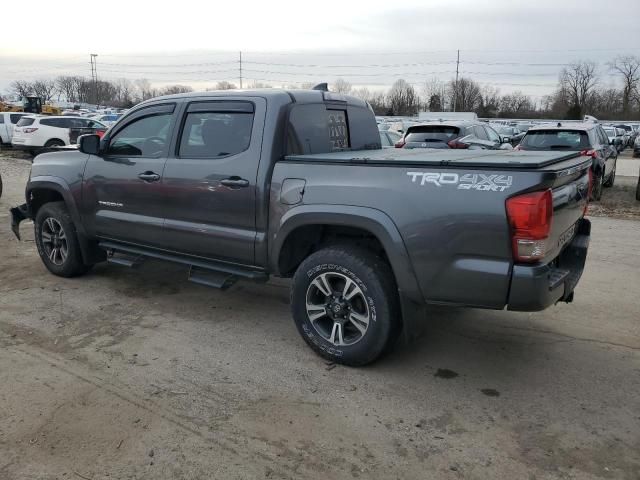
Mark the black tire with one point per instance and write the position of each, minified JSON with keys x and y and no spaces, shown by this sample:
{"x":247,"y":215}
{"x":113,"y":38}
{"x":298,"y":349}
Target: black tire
{"x":54,"y":142}
{"x":638,"y":190}
{"x":376,"y":297}
{"x":63,"y":265}
{"x":596,"y":191}
{"x":612,"y":177}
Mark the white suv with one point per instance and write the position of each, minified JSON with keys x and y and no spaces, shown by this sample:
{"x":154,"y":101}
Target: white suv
{"x":35,"y":132}
{"x":7,"y":123}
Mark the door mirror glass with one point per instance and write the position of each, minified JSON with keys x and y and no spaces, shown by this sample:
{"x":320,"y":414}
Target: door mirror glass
{"x":89,"y":144}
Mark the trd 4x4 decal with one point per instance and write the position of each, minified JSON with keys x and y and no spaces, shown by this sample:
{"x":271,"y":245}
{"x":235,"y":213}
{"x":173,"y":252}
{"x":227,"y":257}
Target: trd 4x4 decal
{"x":468,"y":181}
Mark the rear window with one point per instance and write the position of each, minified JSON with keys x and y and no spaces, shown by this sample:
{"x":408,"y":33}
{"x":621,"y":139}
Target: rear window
{"x":15,"y":117}
{"x":25,"y":122}
{"x":556,"y":140}
{"x":432,"y":133}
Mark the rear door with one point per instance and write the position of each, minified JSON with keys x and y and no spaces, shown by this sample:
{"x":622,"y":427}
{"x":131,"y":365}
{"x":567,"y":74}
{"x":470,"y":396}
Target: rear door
{"x":209,"y":181}
{"x":122,"y":192}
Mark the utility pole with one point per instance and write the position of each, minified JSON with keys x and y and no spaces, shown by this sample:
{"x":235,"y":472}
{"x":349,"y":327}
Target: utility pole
{"x":240,"y":68}
{"x":94,"y":76}
{"x":455,"y":96}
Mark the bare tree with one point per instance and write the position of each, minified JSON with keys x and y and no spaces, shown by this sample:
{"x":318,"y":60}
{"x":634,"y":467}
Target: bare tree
{"x":465,"y":95}
{"x":515,"y":104}
{"x":45,"y":89}
{"x":257,"y":84}
{"x":403,"y":99}
{"x":628,"y":66}
{"x":22,"y":88}
{"x":433,"y":94}
{"x":341,"y":86}
{"x":489,"y":102}
{"x":224,"y":85}
{"x":578,"y":79}
{"x":174,"y":89}
{"x":362,"y":93}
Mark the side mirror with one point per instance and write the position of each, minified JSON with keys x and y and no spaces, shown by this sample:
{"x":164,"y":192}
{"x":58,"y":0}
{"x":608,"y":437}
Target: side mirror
{"x":506,"y":139}
{"x":89,"y":144}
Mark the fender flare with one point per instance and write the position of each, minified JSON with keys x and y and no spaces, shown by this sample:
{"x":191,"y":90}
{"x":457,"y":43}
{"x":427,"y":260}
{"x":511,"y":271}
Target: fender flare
{"x":59,"y":185}
{"x":372,"y":220}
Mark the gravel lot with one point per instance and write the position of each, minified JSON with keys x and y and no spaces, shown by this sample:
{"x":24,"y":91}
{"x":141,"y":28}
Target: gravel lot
{"x":123,"y":374}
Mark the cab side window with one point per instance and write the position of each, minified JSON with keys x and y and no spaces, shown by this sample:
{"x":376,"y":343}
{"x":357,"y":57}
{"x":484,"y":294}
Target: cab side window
{"x":215,"y":134}
{"x":143,"y":137}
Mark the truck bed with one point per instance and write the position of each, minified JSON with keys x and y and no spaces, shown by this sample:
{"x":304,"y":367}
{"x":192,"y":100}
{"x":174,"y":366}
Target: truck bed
{"x":529,"y":160}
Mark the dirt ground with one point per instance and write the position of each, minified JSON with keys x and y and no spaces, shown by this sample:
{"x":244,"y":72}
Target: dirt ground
{"x":139,"y":374}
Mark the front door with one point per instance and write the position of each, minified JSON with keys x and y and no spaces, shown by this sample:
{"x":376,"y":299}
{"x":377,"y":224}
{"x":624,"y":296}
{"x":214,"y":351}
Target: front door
{"x":210,"y":180}
{"x":122,"y":194}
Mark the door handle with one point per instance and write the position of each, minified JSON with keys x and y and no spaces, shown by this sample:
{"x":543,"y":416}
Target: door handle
{"x":235,"y":182}
{"x":149,"y":176}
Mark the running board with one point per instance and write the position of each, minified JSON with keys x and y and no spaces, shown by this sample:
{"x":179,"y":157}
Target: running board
{"x":211,"y":278}
{"x":205,"y":272}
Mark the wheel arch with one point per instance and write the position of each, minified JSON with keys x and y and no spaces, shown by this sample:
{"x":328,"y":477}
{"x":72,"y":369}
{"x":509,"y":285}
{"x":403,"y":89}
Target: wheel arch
{"x":305,"y":228}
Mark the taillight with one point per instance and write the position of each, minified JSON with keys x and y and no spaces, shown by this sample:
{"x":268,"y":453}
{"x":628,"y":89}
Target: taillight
{"x":29,"y":130}
{"x":399,"y":143}
{"x":530,"y":217}
{"x":456,"y":144}
{"x":589,"y":153}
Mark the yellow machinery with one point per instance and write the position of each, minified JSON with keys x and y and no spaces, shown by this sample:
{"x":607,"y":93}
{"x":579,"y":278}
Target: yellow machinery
{"x":31,"y":105}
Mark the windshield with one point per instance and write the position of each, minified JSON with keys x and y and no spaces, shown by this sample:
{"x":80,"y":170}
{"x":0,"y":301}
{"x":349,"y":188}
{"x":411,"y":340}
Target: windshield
{"x":432,"y":133}
{"x":556,"y":140}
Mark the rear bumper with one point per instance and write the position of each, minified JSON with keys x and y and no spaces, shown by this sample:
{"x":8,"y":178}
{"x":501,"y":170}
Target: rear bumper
{"x":536,"y":287}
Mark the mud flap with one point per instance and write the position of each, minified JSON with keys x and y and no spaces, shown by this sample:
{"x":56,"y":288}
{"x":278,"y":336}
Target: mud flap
{"x":18,"y":214}
{"x":413,"y":319}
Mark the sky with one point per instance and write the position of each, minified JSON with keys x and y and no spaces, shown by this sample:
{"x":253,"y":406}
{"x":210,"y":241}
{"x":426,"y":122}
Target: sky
{"x":509,"y":44}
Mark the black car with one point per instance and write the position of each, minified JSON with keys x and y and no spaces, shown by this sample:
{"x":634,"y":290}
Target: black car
{"x":452,"y":134}
{"x":587,"y":138}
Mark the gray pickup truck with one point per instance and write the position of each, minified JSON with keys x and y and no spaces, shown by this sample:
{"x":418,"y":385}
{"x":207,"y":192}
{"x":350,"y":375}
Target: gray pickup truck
{"x":248,"y":184}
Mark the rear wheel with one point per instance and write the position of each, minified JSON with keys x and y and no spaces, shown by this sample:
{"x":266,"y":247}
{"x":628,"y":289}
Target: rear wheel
{"x":612,"y":177}
{"x":596,"y":191}
{"x":345,"y":304}
{"x":57,"y":243}
{"x":54,"y":143}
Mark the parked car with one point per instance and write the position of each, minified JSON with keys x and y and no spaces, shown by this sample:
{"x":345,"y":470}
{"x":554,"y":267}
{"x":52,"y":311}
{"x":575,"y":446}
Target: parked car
{"x":369,"y":235}
{"x":510,"y":134}
{"x":108,"y":119}
{"x":636,"y":147}
{"x":389,"y":138}
{"x":588,"y":138}
{"x":8,"y":120}
{"x":450,"y":135}
{"x":630,"y":134}
{"x":615,"y":137}
{"x":33,"y":133}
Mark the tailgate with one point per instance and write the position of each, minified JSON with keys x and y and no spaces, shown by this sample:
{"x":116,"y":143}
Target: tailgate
{"x":570,"y":192}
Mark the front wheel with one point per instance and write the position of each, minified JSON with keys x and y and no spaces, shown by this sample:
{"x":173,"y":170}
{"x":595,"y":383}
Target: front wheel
{"x":57,"y":242}
{"x":345,"y":304}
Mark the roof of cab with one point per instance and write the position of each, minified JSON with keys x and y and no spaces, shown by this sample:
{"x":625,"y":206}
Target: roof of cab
{"x":297,"y":96}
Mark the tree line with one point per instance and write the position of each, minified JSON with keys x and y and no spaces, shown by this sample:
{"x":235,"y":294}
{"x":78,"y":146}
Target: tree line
{"x":580,"y":91}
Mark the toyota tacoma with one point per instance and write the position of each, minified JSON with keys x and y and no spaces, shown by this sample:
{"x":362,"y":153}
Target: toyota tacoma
{"x":248,"y":184}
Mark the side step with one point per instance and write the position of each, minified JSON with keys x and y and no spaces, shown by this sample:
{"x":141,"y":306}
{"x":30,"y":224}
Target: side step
{"x":125,"y":260}
{"x":211,"y":278}
{"x":204,"y":272}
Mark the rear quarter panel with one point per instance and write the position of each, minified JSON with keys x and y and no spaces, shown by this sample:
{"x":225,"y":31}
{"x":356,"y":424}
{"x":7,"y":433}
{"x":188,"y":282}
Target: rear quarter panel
{"x":457,"y":237}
